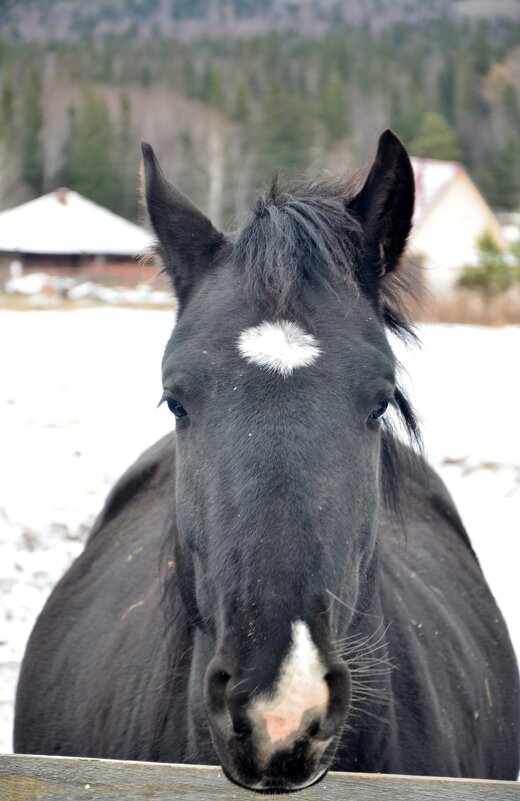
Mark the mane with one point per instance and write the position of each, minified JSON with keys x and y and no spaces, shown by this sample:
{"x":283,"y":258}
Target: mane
{"x":306,"y":232}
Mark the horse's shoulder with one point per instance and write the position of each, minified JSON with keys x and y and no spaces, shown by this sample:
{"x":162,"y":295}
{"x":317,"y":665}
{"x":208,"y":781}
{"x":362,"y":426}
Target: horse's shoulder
{"x":426,"y":497}
{"x":143,"y":484}
{"x":129,"y":529}
{"x":441,"y":503}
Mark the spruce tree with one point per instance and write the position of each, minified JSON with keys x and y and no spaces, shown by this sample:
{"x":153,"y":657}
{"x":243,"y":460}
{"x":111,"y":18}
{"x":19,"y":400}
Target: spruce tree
{"x":333,"y":108}
{"x":213,"y":92}
{"x":30,"y":132}
{"x":286,"y":132}
{"x":446,"y":89}
{"x":7,"y":108}
{"x":436,"y":139}
{"x":481,"y":50}
{"x":89,"y":166}
{"x":500,"y":177}
{"x":242,"y":102}
{"x":125,"y":159}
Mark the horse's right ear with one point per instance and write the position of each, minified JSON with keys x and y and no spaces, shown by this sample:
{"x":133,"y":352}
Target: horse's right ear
{"x":187,"y":240}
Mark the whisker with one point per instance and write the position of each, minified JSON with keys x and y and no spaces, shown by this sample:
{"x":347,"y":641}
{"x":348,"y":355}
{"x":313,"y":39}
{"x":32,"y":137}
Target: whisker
{"x":369,"y":692}
{"x":370,"y":666}
{"x":361,"y":712}
{"x":363,"y":640}
{"x":367,"y":666}
{"x":243,"y":681}
{"x":369,"y":677}
{"x":347,"y":606}
{"x":361,"y":635}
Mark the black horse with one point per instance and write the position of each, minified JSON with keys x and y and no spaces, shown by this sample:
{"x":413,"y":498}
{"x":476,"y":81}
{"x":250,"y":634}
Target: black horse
{"x":281,"y":585}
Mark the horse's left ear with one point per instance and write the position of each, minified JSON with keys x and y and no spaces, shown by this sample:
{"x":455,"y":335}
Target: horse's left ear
{"x":187,"y":239}
{"x":384,"y":206}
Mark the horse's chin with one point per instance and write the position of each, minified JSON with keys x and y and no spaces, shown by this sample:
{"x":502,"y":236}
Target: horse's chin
{"x":273,"y":786}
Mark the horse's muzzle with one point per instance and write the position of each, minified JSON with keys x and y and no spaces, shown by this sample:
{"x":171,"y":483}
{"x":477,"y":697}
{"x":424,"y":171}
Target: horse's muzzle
{"x":277,"y":748}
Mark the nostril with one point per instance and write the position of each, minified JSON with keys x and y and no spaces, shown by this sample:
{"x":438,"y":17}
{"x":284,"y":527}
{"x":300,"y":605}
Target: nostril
{"x":226,"y":699}
{"x":217,"y":683}
{"x":241,"y":725}
{"x":314,"y":729}
{"x":338,"y":682}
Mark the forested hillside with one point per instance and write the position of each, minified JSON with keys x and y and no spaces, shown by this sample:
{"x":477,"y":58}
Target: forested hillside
{"x":227,"y":91}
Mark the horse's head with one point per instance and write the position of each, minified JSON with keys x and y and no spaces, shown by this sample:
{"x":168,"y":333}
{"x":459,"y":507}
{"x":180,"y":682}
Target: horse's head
{"x":279,"y":373}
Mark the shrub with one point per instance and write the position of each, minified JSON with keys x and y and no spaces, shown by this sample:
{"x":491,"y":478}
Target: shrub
{"x":495,"y":271}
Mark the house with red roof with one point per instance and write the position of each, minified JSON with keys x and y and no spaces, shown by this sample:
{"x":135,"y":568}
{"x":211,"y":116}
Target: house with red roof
{"x":450,"y":216}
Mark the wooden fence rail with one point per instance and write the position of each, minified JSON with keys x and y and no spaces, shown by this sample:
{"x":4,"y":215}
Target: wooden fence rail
{"x":31,"y":778}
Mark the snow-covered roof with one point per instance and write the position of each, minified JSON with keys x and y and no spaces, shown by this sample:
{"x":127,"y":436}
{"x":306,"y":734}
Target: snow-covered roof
{"x":431,"y":177}
{"x":64,"y":222}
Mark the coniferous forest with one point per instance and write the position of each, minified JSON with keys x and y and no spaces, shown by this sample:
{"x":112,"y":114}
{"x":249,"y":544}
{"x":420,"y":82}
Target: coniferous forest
{"x":228,"y":91}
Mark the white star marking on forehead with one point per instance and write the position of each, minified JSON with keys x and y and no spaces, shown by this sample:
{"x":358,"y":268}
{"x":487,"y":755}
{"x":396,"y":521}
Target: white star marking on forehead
{"x":280,"y":347}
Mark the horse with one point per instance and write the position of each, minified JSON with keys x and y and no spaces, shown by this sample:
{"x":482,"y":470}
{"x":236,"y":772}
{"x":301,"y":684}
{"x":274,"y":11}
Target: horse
{"x":282,"y":584}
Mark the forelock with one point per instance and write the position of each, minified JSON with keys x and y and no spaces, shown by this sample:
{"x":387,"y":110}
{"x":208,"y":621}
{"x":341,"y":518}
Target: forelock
{"x":295,"y":234}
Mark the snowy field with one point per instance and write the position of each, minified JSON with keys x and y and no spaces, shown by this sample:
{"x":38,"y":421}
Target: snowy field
{"x":78,"y":398}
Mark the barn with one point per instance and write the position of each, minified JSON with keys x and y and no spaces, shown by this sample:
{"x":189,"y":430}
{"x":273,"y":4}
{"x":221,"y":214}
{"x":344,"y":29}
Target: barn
{"x":450,"y":216}
{"x":65,"y":233}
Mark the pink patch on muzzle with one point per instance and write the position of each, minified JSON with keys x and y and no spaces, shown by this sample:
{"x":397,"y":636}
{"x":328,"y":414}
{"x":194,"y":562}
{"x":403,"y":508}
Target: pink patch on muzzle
{"x":280,"y":727}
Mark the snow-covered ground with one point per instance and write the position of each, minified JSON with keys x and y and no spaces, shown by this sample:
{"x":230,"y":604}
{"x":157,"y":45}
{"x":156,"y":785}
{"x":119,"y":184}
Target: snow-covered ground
{"x":78,"y":396}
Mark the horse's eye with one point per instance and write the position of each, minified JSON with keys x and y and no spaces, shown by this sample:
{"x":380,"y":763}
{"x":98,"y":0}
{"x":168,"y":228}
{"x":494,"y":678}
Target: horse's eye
{"x":176,"y":408}
{"x":378,"y":411}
